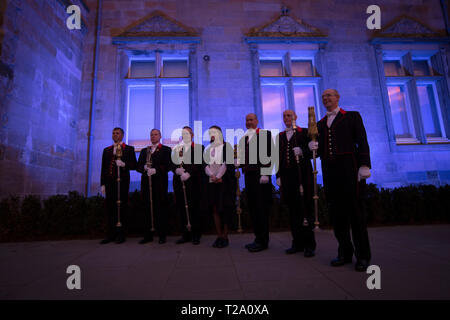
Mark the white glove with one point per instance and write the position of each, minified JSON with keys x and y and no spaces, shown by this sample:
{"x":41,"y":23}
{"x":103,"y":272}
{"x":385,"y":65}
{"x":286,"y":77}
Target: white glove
{"x":297,"y":151}
{"x":236,"y":163}
{"x":313,"y":145}
{"x":151,"y":171}
{"x":145,"y":167}
{"x":222,"y":170}
{"x":363,"y":173}
{"x":179,"y":171}
{"x":120,"y":163}
{"x":264,"y":179}
{"x":185,"y":176}
{"x":279,"y":182}
{"x":103,"y":190}
{"x":208,"y":171}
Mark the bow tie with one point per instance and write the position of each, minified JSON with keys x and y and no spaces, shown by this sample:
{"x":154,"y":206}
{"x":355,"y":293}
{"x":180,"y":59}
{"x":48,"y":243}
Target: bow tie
{"x":332,"y":113}
{"x":289,"y":129}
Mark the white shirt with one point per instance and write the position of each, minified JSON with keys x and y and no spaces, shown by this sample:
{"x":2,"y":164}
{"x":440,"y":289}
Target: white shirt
{"x":331,"y":115}
{"x":289,"y":133}
{"x":216,"y":166}
{"x":154,"y":146}
{"x":215,"y":154}
{"x":186,"y":147}
{"x":250,"y":133}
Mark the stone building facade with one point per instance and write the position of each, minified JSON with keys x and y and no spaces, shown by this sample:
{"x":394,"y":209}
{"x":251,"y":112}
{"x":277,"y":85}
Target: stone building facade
{"x":165,"y":64}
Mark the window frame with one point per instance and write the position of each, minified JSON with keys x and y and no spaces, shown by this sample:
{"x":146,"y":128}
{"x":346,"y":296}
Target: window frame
{"x":407,"y":54}
{"x":287,"y":54}
{"x":159,"y":56}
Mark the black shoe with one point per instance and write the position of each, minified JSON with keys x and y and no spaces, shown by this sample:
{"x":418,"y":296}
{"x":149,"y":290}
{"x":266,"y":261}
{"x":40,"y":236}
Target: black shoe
{"x":361,"y":265}
{"x":257,"y":248}
{"x":309,"y":253}
{"x":293,"y":250}
{"x":120,"y":240}
{"x":249,"y":245}
{"x":162,"y":240}
{"x":182,"y":240}
{"x":223,"y":242}
{"x":146,"y":240}
{"x":195,"y":241}
{"x":340,"y":261}
{"x":216,"y":243}
{"x":107,"y":240}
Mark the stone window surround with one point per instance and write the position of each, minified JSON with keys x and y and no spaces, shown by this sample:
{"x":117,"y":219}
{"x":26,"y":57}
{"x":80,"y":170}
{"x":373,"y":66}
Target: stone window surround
{"x":405,"y":53}
{"x":312,"y":51}
{"x":130,"y":52}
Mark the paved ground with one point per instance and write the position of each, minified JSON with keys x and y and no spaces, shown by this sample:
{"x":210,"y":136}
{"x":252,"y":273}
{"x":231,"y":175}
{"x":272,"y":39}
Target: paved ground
{"x":414,"y":262}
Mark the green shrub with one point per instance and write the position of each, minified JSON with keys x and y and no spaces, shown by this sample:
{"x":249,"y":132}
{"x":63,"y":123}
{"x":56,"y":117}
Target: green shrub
{"x":74,"y":215}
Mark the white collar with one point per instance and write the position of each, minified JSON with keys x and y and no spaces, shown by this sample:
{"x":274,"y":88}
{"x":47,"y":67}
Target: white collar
{"x":334,"y":112}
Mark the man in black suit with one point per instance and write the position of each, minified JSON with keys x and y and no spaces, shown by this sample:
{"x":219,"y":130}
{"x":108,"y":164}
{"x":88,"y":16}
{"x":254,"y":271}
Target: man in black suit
{"x":344,"y":151}
{"x":255,"y":160}
{"x":121,"y":157}
{"x":295,"y":179}
{"x":187,"y":159}
{"x":154,"y":163}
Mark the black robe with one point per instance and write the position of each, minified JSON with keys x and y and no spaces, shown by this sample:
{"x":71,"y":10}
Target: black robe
{"x":194,"y":189}
{"x":223,"y":195}
{"x":290,"y":174}
{"x":259,"y":196}
{"x":109,"y":180}
{"x":160,"y":160}
{"x":343,"y":149}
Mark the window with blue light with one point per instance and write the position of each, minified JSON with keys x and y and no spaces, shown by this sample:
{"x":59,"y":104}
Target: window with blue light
{"x":289,"y":80}
{"x":416,"y":96}
{"x":157,"y":89}
{"x":157,"y":97}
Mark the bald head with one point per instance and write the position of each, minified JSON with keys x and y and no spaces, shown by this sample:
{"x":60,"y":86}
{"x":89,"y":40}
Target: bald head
{"x":330,"y":99}
{"x":251,"y":121}
{"x":289,"y":117}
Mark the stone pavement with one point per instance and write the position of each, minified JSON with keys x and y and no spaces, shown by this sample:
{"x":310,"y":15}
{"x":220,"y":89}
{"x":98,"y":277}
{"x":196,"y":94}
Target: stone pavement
{"x":414,"y":262}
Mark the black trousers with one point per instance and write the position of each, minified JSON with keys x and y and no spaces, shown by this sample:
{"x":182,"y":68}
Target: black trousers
{"x":259,"y":198}
{"x":345,"y":201}
{"x":160,"y":210}
{"x":112,"y":231}
{"x":193,"y":195}
{"x":299,"y":208}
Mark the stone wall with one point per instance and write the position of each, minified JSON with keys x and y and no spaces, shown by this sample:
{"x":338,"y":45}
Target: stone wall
{"x":46,"y":77}
{"x":40,"y":97}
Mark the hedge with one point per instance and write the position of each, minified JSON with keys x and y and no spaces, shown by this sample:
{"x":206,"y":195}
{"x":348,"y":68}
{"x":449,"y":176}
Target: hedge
{"x":76,"y":216}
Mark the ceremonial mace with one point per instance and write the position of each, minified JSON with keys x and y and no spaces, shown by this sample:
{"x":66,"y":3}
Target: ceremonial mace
{"x":297,"y":160}
{"x":238,"y":194}
{"x":118,"y":156}
{"x":149,"y":164}
{"x":313,"y":133}
{"x":180,"y":154}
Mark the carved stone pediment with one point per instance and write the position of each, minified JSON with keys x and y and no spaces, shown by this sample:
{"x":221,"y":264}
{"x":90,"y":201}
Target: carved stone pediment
{"x":406,"y":27}
{"x":158,"y":24}
{"x":286,"y":26}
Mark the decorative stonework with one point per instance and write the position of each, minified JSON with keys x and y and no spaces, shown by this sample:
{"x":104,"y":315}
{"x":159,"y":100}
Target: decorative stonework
{"x":158,"y":24}
{"x":406,"y":27}
{"x":286,"y":26}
